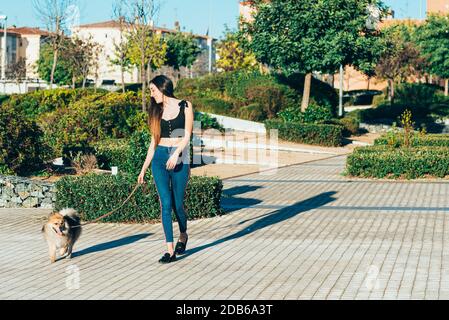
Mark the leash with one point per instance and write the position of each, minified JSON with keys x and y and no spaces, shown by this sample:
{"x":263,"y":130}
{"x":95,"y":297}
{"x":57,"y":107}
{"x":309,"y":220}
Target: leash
{"x":111,"y":212}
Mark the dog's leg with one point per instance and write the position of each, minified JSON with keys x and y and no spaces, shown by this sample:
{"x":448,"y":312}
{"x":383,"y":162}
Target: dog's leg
{"x":63,"y":251}
{"x":69,"y":251}
{"x":52,"y":252}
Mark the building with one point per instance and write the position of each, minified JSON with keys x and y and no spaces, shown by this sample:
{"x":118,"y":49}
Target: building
{"x":12,"y":43}
{"x":438,"y":6}
{"x":24,"y":44}
{"x":108,"y":33}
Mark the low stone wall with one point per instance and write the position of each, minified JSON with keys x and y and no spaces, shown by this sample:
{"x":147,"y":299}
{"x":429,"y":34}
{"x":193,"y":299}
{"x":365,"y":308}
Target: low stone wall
{"x":376,"y":128}
{"x":19,"y":192}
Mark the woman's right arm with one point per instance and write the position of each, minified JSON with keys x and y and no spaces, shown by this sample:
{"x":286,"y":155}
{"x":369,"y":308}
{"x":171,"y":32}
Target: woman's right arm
{"x":150,"y":155}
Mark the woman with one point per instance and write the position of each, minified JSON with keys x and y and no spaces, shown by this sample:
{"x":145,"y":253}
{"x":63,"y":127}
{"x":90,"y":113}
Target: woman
{"x":171,"y":123}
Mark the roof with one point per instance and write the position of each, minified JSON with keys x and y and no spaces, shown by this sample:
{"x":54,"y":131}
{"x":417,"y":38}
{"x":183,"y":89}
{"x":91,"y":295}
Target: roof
{"x":115,"y":25}
{"x":10,"y":33}
{"x":29,"y":31}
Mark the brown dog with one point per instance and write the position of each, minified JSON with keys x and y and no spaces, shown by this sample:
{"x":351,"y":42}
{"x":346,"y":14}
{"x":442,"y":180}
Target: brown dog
{"x":61,"y":231}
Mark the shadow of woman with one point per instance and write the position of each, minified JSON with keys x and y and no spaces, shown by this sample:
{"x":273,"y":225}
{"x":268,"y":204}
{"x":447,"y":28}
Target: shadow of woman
{"x":111,"y":244}
{"x":271,"y":219}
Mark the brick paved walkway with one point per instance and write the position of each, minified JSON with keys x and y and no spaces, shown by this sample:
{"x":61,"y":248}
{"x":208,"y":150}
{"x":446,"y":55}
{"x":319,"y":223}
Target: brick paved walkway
{"x":305,"y":232}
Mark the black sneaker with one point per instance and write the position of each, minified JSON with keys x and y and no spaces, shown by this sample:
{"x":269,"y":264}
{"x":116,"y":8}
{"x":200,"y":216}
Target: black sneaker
{"x":167,"y":258}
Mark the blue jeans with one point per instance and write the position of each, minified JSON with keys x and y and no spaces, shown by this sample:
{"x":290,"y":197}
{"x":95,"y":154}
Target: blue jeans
{"x":171,"y":186}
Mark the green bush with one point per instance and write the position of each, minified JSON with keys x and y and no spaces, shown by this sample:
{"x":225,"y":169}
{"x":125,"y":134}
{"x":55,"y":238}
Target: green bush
{"x":252,"y":112}
{"x":291,"y":114}
{"x":409,"y":163}
{"x":428,"y":140}
{"x":21,"y":150}
{"x":91,"y":119}
{"x":208,"y":122}
{"x":94,"y":195}
{"x":321,"y":93}
{"x":128,"y":155}
{"x":41,"y":101}
{"x":212,"y":105}
{"x":317,"y":134}
{"x":351,"y":125}
{"x":422,"y":100}
{"x":317,"y":114}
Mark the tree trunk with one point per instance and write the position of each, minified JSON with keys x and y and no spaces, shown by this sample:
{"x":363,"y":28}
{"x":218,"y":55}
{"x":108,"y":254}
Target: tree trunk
{"x":53,"y":68}
{"x":84,"y":82}
{"x":123,"y":78}
{"x":143,"y":74}
{"x":391,"y":92}
{"x":306,"y":93}
{"x":446,"y":87}
{"x":369,"y":80}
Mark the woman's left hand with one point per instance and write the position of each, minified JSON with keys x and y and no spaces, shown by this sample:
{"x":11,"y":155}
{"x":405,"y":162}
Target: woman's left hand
{"x":173,"y":161}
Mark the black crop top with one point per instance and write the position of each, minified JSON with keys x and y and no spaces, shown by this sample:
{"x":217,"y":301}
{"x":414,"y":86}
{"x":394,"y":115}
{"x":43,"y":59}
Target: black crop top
{"x":168,"y":126}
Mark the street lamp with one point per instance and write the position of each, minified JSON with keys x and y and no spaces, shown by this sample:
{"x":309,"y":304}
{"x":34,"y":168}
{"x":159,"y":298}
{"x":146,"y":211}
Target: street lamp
{"x":4,"y":18}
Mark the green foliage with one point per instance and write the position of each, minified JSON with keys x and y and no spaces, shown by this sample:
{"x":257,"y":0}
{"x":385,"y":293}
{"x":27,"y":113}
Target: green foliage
{"x":252,"y":95}
{"x":308,"y":35}
{"x":418,"y":140}
{"x":208,"y":122}
{"x":321,"y":92}
{"x":37,"y":102}
{"x":433,"y":40}
{"x":213,"y":105}
{"x":421,"y":99}
{"x":182,"y":50}
{"x":94,"y":195}
{"x":63,"y":74}
{"x":316,"y":134}
{"x":21,"y":150}
{"x":93,"y":118}
{"x":409,"y":163}
{"x":233,"y":56}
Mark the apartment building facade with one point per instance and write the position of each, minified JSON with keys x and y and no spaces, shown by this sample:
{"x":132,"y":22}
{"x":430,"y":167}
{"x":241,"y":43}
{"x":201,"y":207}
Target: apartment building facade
{"x":108,"y":33}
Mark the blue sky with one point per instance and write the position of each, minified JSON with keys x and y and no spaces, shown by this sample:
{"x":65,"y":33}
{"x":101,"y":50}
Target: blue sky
{"x":194,"y":15}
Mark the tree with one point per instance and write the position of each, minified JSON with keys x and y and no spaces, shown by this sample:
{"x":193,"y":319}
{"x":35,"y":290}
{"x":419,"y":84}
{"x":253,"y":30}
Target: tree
{"x":81,"y":55}
{"x":233,"y":56}
{"x":154,"y":55}
{"x":401,"y":60}
{"x":433,"y":40}
{"x":120,"y":57}
{"x":138,"y":17}
{"x":54,"y":14}
{"x":369,"y":51}
{"x":62,"y":73}
{"x":182,"y":50}
{"x":309,"y":35}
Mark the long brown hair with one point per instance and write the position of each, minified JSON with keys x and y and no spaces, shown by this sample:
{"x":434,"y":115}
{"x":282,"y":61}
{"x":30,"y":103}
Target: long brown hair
{"x":165,"y":85}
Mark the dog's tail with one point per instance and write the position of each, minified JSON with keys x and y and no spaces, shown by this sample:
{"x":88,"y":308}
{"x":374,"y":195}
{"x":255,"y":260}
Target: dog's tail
{"x":69,"y":212}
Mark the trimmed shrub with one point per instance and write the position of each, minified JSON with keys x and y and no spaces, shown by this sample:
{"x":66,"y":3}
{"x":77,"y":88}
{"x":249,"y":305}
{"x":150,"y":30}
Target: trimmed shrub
{"x":127,"y":154}
{"x":21,"y":150}
{"x":318,"y":134}
{"x":428,"y":140}
{"x":409,"y":163}
{"x":351,"y":125}
{"x":94,"y":195}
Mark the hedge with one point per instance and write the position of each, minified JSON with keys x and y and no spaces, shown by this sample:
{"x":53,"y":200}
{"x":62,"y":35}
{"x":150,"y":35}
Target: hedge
{"x":409,"y":163}
{"x":94,"y":195}
{"x":319,"y":134}
{"x":429,"y":140}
